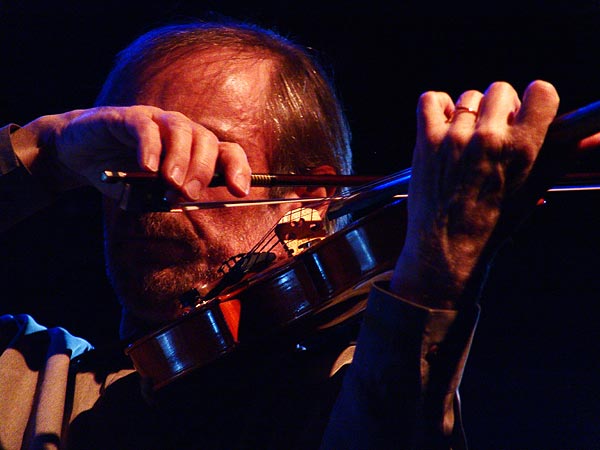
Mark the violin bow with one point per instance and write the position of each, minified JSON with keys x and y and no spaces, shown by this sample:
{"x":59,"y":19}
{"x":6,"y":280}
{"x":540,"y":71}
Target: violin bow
{"x":144,"y":191}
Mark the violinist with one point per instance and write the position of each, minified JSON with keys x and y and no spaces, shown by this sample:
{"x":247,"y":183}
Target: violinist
{"x":185,"y":102}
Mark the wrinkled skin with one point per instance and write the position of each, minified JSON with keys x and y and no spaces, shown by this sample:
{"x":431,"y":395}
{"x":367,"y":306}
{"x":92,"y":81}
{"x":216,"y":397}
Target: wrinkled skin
{"x":153,"y":258}
{"x":465,"y":165}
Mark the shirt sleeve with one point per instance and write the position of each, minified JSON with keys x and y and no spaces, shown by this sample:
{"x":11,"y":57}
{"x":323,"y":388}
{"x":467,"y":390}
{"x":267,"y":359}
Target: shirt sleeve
{"x":21,"y":194}
{"x":401,"y":389}
{"x":34,"y":381}
{"x":15,"y":331}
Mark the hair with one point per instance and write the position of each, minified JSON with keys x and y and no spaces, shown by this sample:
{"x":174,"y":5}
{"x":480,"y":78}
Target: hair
{"x":304,"y":121}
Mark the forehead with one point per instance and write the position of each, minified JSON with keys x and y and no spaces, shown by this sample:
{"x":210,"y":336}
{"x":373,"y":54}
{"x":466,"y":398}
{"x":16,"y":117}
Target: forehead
{"x":225,"y":90}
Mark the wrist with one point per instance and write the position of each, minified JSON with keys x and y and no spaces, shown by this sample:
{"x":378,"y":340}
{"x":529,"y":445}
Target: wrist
{"x":425,"y":284}
{"x":34,"y":146}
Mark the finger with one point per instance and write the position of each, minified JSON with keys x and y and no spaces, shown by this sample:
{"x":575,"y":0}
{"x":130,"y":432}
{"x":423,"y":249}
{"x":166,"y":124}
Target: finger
{"x":538,"y":109}
{"x":234,"y":164}
{"x":203,"y":158}
{"x":466,"y":111}
{"x":590,"y":142}
{"x":146,"y":133}
{"x":498,"y":106}
{"x":115,"y":137}
{"x":461,"y":125}
{"x":176,"y":138}
{"x":540,"y":105}
{"x":433,"y":112}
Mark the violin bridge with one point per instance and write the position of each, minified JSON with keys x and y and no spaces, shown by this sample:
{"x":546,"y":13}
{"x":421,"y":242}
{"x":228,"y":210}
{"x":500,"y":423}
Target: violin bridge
{"x":299,"y":229}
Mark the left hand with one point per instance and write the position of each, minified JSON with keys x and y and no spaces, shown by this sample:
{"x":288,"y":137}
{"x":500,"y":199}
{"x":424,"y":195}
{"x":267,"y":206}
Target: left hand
{"x":469,"y":158}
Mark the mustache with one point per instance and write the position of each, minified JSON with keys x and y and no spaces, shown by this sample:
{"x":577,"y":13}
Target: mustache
{"x":155,"y":225}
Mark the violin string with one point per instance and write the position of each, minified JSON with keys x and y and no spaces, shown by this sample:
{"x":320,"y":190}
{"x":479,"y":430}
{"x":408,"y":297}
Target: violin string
{"x":270,"y":239}
{"x":380,"y":181}
{"x":264,"y":241}
{"x":195,"y":206}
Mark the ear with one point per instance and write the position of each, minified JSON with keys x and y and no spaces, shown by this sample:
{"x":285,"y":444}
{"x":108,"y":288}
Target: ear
{"x":316,"y":191}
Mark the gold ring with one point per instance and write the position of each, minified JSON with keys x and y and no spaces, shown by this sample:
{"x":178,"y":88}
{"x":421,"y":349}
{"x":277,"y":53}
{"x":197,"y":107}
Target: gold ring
{"x":462,"y":109}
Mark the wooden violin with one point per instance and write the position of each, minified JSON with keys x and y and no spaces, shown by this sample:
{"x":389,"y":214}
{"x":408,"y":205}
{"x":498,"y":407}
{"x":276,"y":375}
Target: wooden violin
{"x":272,"y":300}
{"x":310,"y":282}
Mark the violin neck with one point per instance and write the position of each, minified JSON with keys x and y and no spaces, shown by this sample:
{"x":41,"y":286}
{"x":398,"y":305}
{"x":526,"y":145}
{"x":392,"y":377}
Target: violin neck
{"x":371,"y":196}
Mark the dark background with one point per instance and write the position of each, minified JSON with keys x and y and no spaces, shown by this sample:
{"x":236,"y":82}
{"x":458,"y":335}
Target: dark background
{"x":533,"y":378}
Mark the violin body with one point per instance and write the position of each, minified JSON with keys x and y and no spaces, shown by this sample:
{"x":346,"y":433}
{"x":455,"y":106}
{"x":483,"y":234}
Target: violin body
{"x":272,"y":301}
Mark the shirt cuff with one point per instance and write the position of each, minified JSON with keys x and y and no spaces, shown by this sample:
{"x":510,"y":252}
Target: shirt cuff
{"x":22,"y":194}
{"x":391,"y":315}
{"x":8,"y":158}
{"x":397,"y":333}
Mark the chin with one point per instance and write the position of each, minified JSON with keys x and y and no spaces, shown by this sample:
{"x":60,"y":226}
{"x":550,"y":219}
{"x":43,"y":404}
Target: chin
{"x":153,"y":295}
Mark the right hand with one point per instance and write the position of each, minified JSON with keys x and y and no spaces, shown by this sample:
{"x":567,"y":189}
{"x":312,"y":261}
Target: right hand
{"x":84,"y":143}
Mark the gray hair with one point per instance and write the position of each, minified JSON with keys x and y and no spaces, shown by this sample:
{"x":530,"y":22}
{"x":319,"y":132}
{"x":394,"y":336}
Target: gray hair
{"x":304,"y":121}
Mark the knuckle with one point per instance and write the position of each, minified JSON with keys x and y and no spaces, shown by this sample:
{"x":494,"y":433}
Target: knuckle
{"x":229,"y":151}
{"x":490,"y":143}
{"x":205,"y":137}
{"x":104,"y":112}
{"x":131,"y":115}
{"x":232,"y":146}
{"x":175,"y":121}
{"x":135,"y":112}
{"x":202,"y":170}
{"x":488,"y":136}
{"x":175,"y":117}
{"x":138,"y":109}
{"x":459,"y":138}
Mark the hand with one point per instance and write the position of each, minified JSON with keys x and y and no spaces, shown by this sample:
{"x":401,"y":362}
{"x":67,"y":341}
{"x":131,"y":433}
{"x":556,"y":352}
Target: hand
{"x":87,"y":142}
{"x":468,"y":160}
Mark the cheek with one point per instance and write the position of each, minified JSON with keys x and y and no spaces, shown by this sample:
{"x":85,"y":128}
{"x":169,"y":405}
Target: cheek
{"x":234,"y":230}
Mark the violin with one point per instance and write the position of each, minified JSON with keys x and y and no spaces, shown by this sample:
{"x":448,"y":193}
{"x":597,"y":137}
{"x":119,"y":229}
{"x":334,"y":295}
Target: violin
{"x":272,"y":300}
{"x":260,"y":305}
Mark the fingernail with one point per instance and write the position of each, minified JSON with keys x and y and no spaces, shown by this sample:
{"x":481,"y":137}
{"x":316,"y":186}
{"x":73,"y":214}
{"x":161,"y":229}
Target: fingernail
{"x":193,"y":188}
{"x":243,"y":182}
{"x":177,"y":175}
{"x":152,"y":163}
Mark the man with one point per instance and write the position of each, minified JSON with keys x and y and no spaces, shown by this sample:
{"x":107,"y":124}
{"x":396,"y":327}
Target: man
{"x":186,"y":102}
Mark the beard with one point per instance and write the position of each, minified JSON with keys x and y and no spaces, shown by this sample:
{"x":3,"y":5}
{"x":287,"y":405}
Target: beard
{"x":153,"y":260}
